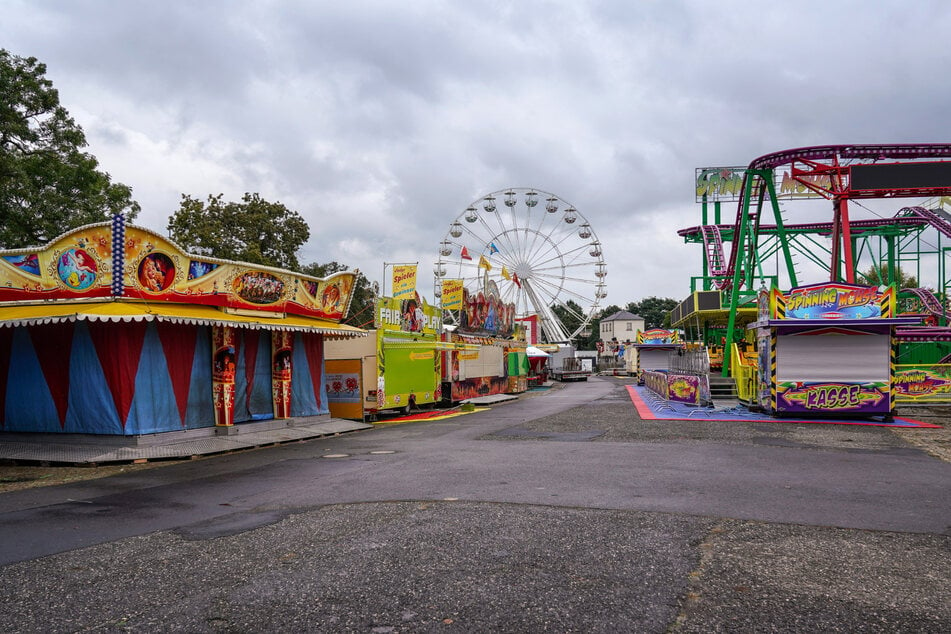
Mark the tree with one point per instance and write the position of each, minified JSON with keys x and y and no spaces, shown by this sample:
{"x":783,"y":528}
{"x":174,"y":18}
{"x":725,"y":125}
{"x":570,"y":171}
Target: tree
{"x":363,"y":304}
{"x":654,"y":310}
{"x":877,"y":275}
{"x":254,"y":230}
{"x":48,"y":185}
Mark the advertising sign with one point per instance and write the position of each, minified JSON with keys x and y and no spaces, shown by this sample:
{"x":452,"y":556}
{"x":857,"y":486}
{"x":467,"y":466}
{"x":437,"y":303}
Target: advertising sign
{"x":832,"y":397}
{"x":833,"y":301}
{"x":404,"y":281}
{"x":452,"y":294}
{"x":923,"y":384}
{"x":725,"y":184}
{"x":485,"y":314}
{"x":658,"y":336}
{"x":344,"y":389}
{"x":719,"y":183}
{"x":408,"y":315}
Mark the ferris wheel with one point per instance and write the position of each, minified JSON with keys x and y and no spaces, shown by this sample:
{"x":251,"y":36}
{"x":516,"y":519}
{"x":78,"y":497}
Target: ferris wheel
{"x":538,"y":251}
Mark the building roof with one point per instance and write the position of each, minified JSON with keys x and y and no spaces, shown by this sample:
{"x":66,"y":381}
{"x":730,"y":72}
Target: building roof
{"x":622,"y":315}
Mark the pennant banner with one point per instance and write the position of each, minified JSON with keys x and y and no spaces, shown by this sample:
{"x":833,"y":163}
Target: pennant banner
{"x":464,"y":254}
{"x":404,"y":280}
{"x":452,"y":294}
{"x":484,"y":264}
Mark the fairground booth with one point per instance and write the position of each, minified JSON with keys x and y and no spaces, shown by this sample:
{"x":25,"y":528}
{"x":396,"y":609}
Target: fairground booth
{"x":653,"y":348}
{"x":399,"y":367}
{"x":827,"y":349}
{"x":658,"y":351}
{"x":113,"y":329}
{"x":488,"y":355}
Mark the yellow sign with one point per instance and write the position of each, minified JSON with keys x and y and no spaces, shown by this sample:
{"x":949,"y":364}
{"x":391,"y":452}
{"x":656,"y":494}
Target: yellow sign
{"x":452,"y":294}
{"x":404,"y":280}
{"x":421,"y":356}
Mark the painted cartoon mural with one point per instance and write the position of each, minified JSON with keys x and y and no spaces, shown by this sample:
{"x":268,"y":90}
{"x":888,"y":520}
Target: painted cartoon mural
{"x":131,"y":262}
{"x":485,"y":314}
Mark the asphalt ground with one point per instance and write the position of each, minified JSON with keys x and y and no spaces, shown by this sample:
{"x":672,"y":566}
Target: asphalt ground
{"x":461,"y":565}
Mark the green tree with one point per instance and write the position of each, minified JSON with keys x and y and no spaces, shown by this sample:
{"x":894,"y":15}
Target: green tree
{"x":877,"y":275}
{"x":48,"y":185}
{"x":654,"y":310}
{"x":572,"y":315}
{"x":362,"y":306}
{"x":254,"y":230}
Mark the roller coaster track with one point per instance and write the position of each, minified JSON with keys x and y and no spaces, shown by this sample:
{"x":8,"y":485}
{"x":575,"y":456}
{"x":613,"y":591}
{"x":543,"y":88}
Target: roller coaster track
{"x":827,"y":153}
{"x":928,"y":300}
{"x":936,"y":218}
{"x":713,"y":247}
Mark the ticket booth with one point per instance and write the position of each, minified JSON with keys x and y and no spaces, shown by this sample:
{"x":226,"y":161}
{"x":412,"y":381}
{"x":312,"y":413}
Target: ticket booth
{"x":827,"y":349}
{"x":653,"y":349}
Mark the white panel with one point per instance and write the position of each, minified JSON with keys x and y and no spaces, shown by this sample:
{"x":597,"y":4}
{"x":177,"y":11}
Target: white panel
{"x":653,"y":359}
{"x":854,"y":358}
{"x":494,"y":358}
{"x":489,"y":363}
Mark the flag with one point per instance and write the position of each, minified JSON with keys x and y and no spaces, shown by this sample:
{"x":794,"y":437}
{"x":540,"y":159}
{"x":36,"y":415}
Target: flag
{"x":451,"y":294}
{"x":484,"y":264}
{"x":516,"y":280}
{"x":404,"y":280}
{"x":464,"y":254}
{"x":493,"y":248}
{"x":506,"y":274}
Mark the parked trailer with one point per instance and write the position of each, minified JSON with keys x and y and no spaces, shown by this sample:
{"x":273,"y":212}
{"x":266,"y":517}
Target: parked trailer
{"x":397,"y":368}
{"x":565,"y":366}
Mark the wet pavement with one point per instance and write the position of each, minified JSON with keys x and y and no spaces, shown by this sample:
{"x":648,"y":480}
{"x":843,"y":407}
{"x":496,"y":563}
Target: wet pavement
{"x":559,"y":512}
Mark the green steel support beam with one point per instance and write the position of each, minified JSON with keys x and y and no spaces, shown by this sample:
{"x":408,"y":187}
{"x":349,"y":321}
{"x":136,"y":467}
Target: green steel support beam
{"x":738,"y":243}
{"x":781,"y":229}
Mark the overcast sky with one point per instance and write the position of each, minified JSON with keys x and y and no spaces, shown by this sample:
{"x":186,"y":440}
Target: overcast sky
{"x":380,"y":122}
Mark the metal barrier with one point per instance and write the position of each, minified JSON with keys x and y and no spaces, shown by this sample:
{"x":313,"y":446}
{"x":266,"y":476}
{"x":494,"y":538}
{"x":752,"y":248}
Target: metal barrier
{"x":689,"y":361}
{"x":923,"y":383}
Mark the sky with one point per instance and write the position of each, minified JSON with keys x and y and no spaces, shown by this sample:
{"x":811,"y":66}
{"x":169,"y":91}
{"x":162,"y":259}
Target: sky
{"x":380,"y":122}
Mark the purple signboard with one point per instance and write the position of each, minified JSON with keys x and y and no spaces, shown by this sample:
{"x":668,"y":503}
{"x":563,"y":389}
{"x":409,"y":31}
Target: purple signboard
{"x":832,"y":398}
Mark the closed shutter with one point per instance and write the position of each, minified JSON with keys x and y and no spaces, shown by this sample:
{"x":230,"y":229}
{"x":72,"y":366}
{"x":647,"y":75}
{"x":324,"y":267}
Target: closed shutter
{"x":845,"y":358}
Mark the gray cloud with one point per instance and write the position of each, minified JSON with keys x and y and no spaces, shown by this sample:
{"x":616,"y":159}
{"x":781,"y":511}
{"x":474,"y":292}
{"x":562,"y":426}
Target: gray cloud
{"x":381,"y":121}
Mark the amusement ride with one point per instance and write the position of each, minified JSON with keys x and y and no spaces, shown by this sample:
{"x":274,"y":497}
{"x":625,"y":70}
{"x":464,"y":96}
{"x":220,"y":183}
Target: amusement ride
{"x":761,"y":248}
{"x":536,"y":251}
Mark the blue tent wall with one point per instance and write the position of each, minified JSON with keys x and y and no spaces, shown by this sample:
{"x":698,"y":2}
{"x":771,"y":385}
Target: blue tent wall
{"x":29,"y":404}
{"x":90,"y":408}
{"x":260,"y":405}
{"x":201,"y":407}
{"x":303,"y":399}
{"x":153,"y":407}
